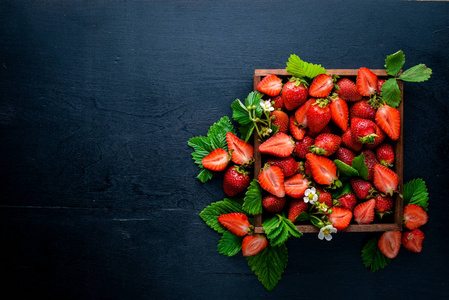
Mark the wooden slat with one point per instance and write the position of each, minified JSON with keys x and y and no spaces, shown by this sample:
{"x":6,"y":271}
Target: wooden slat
{"x":341,"y":72}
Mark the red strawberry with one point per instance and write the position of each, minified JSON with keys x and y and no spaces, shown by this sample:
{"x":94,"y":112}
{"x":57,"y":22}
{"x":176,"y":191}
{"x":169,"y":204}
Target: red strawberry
{"x":277,"y":102}
{"x":389,"y":120}
{"x":414,"y":216}
{"x":366,"y":82}
{"x":339,"y":112}
{"x":361,"y":188}
{"x":384,"y":205}
{"x":380,"y":82}
{"x":390,"y":243}
{"x":287,"y":164}
{"x":217,"y":160}
{"x":326,"y":129}
{"x":377,"y":140}
{"x":348,"y":201}
{"x":280,"y":145}
{"x":297,"y":132}
{"x":302,"y":147}
{"x":385,"y":154}
{"x":297,"y":206}
{"x":324,"y":171}
{"x":326,"y":144}
{"x":321,"y":86}
{"x":347,"y":90}
{"x":270,"y":85}
{"x":363,"y":130}
{"x":237,"y":223}
{"x":301,"y":113}
{"x":280,"y":119}
{"x":412,"y":240}
{"x":324,"y":197}
{"x":385,"y":180}
{"x":235,"y":181}
{"x":348,"y":140}
{"x":370,"y":162}
{"x":307,"y":169}
{"x":296,"y":185}
{"x":340,"y":218}
{"x":241,"y":152}
{"x":318,"y":115}
{"x":363,"y":110}
{"x":273,"y":204}
{"x":254,"y":244}
{"x":271,"y":179}
{"x":364,"y":212}
{"x":345,"y":155}
{"x":294,"y":94}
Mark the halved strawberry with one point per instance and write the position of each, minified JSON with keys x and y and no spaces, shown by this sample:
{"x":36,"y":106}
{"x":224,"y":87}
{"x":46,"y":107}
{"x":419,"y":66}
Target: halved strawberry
{"x":390,"y":243}
{"x":347,"y":90}
{"x":412,"y":240}
{"x":301,"y":113}
{"x":297,"y":132}
{"x":348,"y":201}
{"x":271,"y":179}
{"x":254,"y":244}
{"x":339,"y":112}
{"x":326,"y":144}
{"x":364,"y":212}
{"x":280,"y":145}
{"x":324,"y":170}
{"x":296,"y":207}
{"x":241,"y":152}
{"x":414,"y":216}
{"x":321,"y":86}
{"x":270,"y":85}
{"x":340,"y":217}
{"x":237,"y":223}
{"x":296,"y":185}
{"x":385,"y":180}
{"x":288,"y":165}
{"x":273,"y":204}
{"x":280,"y":119}
{"x":389,"y":120}
{"x":366,"y":82}
{"x":217,"y":160}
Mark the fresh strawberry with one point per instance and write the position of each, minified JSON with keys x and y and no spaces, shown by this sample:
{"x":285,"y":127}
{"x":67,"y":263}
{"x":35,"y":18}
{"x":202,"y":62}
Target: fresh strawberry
{"x":280,"y":145}
{"x":370,"y":162}
{"x":237,"y":223}
{"x":412,"y":240}
{"x":345,"y":155}
{"x":326,"y":129}
{"x":326,"y":144}
{"x":366,"y":82}
{"x":287,"y":164}
{"x":280,"y":118}
{"x":390,"y":243}
{"x":297,"y":131}
{"x":363,"y":110}
{"x":324,"y":197}
{"x":217,"y":160}
{"x":235,"y":181}
{"x":302,"y":147}
{"x":301,"y":113}
{"x":385,"y":154}
{"x":324,"y":171}
{"x":296,"y":207}
{"x":385,"y":180}
{"x":380,"y":82}
{"x":384,"y":205}
{"x":347,"y":90}
{"x":364,"y":212}
{"x":414,"y":216}
{"x":254,"y":244}
{"x":294,"y":94}
{"x":321,"y":86}
{"x":271,"y":179}
{"x":348,"y":201}
{"x":389,"y":120}
{"x":273,"y":204}
{"x":361,"y":188}
{"x":270,"y":85}
{"x":339,"y":112}
{"x":340,"y":217}
{"x":277,"y":102}
{"x":241,"y":152}
{"x":318,"y":115}
{"x":363,"y":130}
{"x":296,"y":185}
{"x":380,"y":137}
{"x":348,"y":140}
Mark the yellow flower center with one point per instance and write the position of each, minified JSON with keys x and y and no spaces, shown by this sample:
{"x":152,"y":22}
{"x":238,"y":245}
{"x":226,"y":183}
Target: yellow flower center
{"x":326,"y":231}
{"x":311,"y":196}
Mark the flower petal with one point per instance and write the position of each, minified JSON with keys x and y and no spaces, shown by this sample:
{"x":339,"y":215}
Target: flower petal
{"x":328,"y":237}
{"x":307,"y":193}
{"x":313,"y":189}
{"x":321,"y":235}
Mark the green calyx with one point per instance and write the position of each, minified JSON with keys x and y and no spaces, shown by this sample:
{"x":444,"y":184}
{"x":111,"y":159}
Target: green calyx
{"x":368,"y":139}
{"x":384,"y":163}
{"x":381,"y":215}
{"x":299,"y":81}
{"x":322,"y":102}
{"x":375,"y":101}
{"x":335,"y":184}
{"x":242,"y":169}
{"x":317,"y":150}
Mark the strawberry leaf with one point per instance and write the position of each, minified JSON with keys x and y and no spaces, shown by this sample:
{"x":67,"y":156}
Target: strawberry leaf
{"x":240,"y":114}
{"x":343,"y":190}
{"x":358,"y":163}
{"x":390,"y":92}
{"x":300,"y":69}
{"x":372,"y":257}
{"x":205,"y":175}
{"x":252,"y":203}
{"x":304,"y":216}
{"x":346,"y":169}
{"x":269,"y":265}
{"x":415,"y":192}
{"x":394,"y":63}
{"x":278,"y":229}
{"x":254,"y":99}
{"x":229,"y":244}
{"x":217,"y":133}
{"x":418,"y":73}
{"x":211,"y":213}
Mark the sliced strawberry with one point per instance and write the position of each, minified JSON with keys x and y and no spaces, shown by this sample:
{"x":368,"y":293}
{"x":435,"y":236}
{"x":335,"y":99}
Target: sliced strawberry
{"x":217,"y":160}
{"x":296,"y":207}
{"x":237,"y":223}
{"x":345,"y":155}
{"x":270,"y":85}
{"x":347,"y":90}
{"x":302,"y":147}
{"x":241,"y":152}
{"x":348,"y":201}
{"x":271,"y":179}
{"x":361,"y":188}
{"x":324,"y":170}
{"x":366,"y":82}
{"x":288,"y":165}
{"x":364,"y":212}
{"x":280,"y":145}
{"x":273,"y":204}
{"x":390,"y":243}
{"x":321,"y":86}
{"x":280,"y":119}
{"x":297,"y":132}
{"x":339,"y":112}
{"x":301,"y":113}
{"x":326,"y":144}
{"x":412,"y":240}
{"x":389,"y":120}
{"x":414,"y":216}
{"x":385,"y":180}
{"x":254,"y":244}
{"x":296,"y":185}
{"x":340,"y":218}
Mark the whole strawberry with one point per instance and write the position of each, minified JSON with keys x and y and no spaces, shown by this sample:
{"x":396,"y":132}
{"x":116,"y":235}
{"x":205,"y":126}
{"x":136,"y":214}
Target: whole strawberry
{"x":385,"y":155}
{"x":318,"y":115}
{"x":294,"y":93}
{"x":370,"y":162}
{"x":287,"y":164}
{"x":377,"y":140}
{"x":348,"y":201}
{"x":326,"y":129}
{"x":345,"y":155}
{"x":363,"y":110}
{"x":235,"y":181}
{"x":296,"y":207}
{"x":280,"y":118}
{"x":380,"y":82}
{"x":361,"y":188}
{"x":326,"y":144}
{"x":324,"y":197}
{"x":363,"y":130}
{"x":277,"y":102}
{"x":307,"y":169}
{"x":273,"y":204}
{"x":302,"y":147}
{"x":384,"y":205}
{"x":347,"y":90}
{"x":348,"y":140}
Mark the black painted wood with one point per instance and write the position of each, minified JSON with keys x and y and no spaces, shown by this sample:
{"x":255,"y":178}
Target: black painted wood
{"x":98,"y":196}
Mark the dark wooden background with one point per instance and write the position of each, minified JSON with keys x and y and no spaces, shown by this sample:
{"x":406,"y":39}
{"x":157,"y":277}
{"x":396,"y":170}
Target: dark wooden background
{"x":98,"y":196}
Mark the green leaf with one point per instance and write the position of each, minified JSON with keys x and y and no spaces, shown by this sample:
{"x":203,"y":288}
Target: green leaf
{"x":358,"y":163}
{"x":230,"y":244}
{"x":343,"y":190}
{"x":394,"y":63}
{"x":217,"y":133}
{"x":314,"y":222}
{"x":278,"y":229}
{"x":240,"y":114}
{"x":269,"y":265}
{"x":390,"y":92}
{"x":202,"y":147}
{"x":252,"y":203}
{"x":415,"y":192}
{"x":254,"y":99}
{"x":418,"y":73}
{"x":211,"y":213}
{"x":205,"y":175}
{"x":372,"y":257}
{"x":300,"y":69}
{"x":304,"y":216}
{"x":346,"y":169}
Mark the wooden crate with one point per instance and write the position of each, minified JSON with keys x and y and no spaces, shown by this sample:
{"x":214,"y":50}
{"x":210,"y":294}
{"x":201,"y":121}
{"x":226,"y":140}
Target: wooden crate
{"x":398,"y":151}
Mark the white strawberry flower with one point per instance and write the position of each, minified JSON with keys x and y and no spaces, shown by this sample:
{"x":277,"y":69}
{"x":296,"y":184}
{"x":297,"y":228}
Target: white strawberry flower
{"x":322,"y":207}
{"x":266,"y":105}
{"x":310,"y":196}
{"x":326,"y":231}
